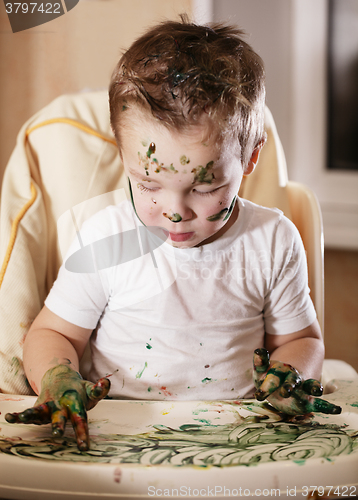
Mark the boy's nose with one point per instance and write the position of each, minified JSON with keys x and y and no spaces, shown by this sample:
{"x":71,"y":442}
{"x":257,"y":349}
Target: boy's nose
{"x":178,"y":211}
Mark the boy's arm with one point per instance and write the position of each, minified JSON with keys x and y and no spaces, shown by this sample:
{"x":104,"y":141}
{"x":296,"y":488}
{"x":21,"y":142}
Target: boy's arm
{"x":303,"y":349}
{"x":52,"y":341}
{"x":52,"y":351}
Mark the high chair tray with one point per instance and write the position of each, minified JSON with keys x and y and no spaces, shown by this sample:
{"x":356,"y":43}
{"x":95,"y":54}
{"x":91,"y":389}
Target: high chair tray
{"x":202,"y":449}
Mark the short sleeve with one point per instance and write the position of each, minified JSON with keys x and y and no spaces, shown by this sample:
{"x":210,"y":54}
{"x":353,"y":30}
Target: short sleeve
{"x":77,"y":296}
{"x":288,"y":306}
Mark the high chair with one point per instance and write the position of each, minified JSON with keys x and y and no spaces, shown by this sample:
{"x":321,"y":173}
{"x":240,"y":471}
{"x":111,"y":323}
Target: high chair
{"x":66,"y":154}
{"x":66,"y":162}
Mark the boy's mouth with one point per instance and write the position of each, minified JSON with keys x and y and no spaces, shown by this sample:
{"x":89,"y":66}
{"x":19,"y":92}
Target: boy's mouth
{"x":180,"y":236}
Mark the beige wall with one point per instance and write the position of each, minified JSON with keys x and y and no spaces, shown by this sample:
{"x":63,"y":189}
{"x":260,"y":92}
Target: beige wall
{"x":76,"y":51}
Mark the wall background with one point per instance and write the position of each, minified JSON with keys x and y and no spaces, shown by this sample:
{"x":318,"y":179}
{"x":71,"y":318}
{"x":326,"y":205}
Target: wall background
{"x":74,"y":52}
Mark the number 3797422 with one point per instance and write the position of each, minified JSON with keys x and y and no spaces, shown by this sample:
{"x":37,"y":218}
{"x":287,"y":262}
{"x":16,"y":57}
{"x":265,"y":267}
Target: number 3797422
{"x":32,"y":8}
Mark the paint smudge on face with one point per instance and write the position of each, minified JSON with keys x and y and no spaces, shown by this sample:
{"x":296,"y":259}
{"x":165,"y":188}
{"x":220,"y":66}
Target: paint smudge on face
{"x":140,"y":373}
{"x":174,"y":217}
{"x":202,"y":174}
{"x":220,"y":215}
{"x":160,"y":167}
{"x":184,"y":160}
{"x":144,"y":161}
{"x":231,"y":208}
{"x":151,"y":149}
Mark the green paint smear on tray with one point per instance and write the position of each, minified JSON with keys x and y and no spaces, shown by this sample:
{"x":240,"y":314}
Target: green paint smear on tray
{"x":246,"y":444}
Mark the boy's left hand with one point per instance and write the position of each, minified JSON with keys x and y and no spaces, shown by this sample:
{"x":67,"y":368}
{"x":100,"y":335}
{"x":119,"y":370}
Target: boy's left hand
{"x":282,"y":385}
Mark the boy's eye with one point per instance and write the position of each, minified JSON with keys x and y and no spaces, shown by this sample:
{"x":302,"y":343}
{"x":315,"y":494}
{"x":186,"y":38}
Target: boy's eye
{"x":145,"y":189}
{"x":205,"y":193}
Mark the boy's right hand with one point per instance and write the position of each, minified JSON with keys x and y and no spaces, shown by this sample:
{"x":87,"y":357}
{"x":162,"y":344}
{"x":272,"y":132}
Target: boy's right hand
{"x":64,"y":395}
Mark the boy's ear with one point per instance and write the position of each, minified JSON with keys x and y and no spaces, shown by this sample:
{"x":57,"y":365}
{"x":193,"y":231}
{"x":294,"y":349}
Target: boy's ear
{"x":250,"y":167}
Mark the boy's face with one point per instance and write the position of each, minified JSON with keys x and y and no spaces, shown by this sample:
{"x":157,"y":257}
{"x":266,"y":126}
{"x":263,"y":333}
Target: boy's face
{"x":180,"y":182}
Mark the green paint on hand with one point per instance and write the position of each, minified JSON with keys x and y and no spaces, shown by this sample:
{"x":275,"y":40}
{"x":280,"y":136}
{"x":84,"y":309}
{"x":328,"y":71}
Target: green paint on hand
{"x":206,"y":380}
{"x":148,"y":346}
{"x":140,"y":373}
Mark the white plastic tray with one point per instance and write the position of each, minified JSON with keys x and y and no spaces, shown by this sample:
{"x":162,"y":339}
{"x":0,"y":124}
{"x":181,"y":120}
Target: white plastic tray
{"x":144,"y":449}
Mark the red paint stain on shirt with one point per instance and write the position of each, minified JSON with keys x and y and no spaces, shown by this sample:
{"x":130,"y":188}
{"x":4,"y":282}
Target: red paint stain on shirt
{"x":165,"y":391}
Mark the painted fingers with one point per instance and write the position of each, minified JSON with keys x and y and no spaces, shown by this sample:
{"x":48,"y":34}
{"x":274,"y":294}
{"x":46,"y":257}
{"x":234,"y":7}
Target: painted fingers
{"x":64,"y":396}
{"x":96,"y":392}
{"x":37,"y":415}
{"x":278,"y":376}
{"x":282,"y":385}
{"x":76,"y":412}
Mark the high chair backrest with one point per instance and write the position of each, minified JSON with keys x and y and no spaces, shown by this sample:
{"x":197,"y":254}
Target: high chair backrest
{"x":269,"y":186}
{"x":66,"y":154}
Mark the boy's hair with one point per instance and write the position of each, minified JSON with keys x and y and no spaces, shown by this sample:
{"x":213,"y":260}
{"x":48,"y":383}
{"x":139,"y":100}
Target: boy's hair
{"x":184,"y":73}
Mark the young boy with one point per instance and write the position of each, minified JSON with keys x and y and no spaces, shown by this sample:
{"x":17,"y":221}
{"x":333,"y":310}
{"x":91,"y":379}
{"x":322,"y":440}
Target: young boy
{"x":228,"y":277}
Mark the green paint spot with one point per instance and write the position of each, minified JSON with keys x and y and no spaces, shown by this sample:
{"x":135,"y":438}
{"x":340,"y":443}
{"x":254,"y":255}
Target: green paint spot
{"x":299,"y":462}
{"x":206,"y":379}
{"x":15,"y":365}
{"x":184,"y":160}
{"x":149,"y":389}
{"x":173,"y":169}
{"x":140,"y":373}
{"x":174,"y":218}
{"x":148,"y":346}
{"x":355,"y":405}
{"x":202,"y":174}
{"x":218,"y":216}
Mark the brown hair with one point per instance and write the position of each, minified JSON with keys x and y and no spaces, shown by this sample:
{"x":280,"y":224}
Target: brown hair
{"x":183,"y":72}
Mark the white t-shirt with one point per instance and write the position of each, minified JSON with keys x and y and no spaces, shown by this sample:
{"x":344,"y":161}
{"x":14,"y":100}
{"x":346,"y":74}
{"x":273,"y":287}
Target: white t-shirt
{"x":183,"y":323}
